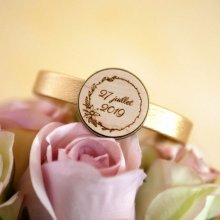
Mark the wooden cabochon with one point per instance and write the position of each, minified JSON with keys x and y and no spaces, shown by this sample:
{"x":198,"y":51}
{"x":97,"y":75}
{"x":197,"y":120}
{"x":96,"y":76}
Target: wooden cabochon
{"x":113,"y":103}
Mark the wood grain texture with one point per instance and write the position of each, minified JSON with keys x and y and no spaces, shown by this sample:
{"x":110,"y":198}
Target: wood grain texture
{"x":113,"y":103}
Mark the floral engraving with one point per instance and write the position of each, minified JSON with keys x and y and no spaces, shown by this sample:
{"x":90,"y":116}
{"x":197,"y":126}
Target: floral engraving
{"x":91,"y":113}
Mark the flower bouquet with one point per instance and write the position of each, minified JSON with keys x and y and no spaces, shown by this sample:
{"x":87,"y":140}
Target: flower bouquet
{"x":98,"y":150}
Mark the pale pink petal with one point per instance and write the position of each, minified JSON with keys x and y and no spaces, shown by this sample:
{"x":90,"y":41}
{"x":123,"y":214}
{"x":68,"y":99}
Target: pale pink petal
{"x":49,"y":154}
{"x":180,"y":153}
{"x":99,"y":146}
{"x":85,"y":145}
{"x":90,"y":196}
{"x":168,"y":150}
{"x":31,"y":114}
{"x":114,"y":151}
{"x":99,"y":162}
{"x":132,"y":152}
{"x":41,"y":138}
{"x":46,"y":107}
{"x":38,"y":151}
{"x":56,"y":112}
{"x":7,"y":123}
{"x":38,"y":104}
{"x":69,"y":131}
{"x":62,"y":155}
{"x":190,"y":159}
{"x":87,"y":188}
{"x":103,"y":159}
{"x":24,"y":118}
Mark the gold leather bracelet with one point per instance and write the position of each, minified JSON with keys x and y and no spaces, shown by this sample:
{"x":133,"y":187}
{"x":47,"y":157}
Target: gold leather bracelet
{"x":58,"y":86}
{"x":66,"y":88}
{"x":168,"y":123}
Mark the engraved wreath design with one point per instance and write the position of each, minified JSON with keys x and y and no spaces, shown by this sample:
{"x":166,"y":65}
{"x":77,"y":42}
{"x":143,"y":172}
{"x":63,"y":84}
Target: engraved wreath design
{"x":91,"y":113}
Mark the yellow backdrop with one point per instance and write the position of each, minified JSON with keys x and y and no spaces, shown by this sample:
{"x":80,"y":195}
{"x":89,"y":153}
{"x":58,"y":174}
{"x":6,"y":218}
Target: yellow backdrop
{"x":173,"y":46}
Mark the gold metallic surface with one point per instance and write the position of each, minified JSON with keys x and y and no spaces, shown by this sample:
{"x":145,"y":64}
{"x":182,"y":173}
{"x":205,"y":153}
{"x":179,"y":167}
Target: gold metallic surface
{"x":168,"y":123}
{"x":59,"y":86}
{"x":66,"y":88}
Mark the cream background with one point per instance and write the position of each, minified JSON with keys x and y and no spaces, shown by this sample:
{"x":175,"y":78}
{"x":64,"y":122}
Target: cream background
{"x":173,"y":46}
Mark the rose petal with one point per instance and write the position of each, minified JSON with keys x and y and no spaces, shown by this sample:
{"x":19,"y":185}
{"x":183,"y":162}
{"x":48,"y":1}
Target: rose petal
{"x":35,"y":166}
{"x":103,"y":160}
{"x":120,"y":189}
{"x":214,"y":209}
{"x":62,"y":156}
{"x":31,"y":114}
{"x":99,"y":162}
{"x":194,"y":160}
{"x":85,"y":145}
{"x":113,"y":197}
{"x":69,"y":131}
{"x":35,"y":120}
{"x":99,"y":146}
{"x":169,"y":150}
{"x":49,"y":154}
{"x":163,"y":174}
{"x":211,"y":209}
{"x":132,"y":152}
{"x":56,"y":112}
{"x":178,"y":203}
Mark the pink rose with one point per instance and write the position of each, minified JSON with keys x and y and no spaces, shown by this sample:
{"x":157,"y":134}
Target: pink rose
{"x":168,"y":149}
{"x":192,"y":157}
{"x":189,"y":156}
{"x":25,"y":119}
{"x":77,"y":175}
{"x":155,"y":146}
{"x":175,"y":191}
{"x":31,"y":114}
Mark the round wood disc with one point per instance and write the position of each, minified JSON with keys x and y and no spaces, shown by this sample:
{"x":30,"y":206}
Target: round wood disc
{"x":113,"y":103}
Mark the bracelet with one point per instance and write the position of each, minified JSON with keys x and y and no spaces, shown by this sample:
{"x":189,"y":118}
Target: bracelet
{"x":58,"y":86}
{"x":168,"y":123}
{"x":66,"y":88}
